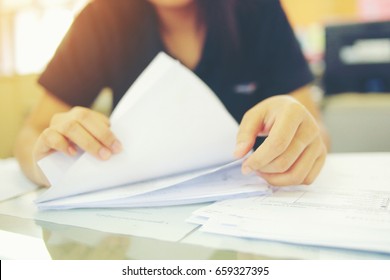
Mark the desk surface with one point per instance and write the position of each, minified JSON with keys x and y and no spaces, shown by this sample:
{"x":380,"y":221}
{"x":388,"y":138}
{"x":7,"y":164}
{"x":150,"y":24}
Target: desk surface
{"x":28,"y":238}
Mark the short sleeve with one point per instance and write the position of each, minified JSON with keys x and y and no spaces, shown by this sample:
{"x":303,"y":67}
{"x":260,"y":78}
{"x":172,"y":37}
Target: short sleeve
{"x":76,"y":73}
{"x":286,"y":66}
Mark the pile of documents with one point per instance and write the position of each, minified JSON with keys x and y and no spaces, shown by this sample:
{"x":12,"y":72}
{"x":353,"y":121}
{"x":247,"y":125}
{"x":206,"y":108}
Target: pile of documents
{"x":178,"y":141}
{"x":347,"y":207}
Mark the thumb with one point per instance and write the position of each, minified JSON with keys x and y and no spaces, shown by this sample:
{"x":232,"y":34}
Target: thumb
{"x":251,"y":126}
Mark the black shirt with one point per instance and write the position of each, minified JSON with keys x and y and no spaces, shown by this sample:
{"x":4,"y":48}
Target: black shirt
{"x":112,"y":41}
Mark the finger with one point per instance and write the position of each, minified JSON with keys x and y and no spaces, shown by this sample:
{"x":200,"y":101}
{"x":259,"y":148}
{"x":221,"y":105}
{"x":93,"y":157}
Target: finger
{"x":81,"y":112}
{"x":76,"y":133}
{"x":249,"y":129}
{"x":305,"y":134}
{"x":102,"y":133}
{"x":299,"y":170}
{"x":278,"y":140}
{"x":98,"y":126}
{"x":316,"y":169}
{"x":53,"y":140}
{"x":72,"y":148}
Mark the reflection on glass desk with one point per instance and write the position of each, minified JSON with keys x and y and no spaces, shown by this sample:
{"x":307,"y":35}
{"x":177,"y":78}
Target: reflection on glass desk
{"x":54,"y":241}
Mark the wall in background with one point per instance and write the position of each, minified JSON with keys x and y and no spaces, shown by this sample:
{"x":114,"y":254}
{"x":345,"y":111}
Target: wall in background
{"x":304,"y":13}
{"x":17,"y":95}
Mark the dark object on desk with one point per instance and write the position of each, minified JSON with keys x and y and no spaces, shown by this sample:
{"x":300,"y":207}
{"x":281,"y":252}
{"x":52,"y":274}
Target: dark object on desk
{"x":357,"y":58}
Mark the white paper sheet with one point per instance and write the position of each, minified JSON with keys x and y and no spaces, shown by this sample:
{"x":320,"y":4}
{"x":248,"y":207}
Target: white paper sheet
{"x":255,"y":249}
{"x":13,"y":182}
{"x":174,"y":124}
{"x":221,"y":184}
{"x":166,"y":223}
{"x":348,"y":215}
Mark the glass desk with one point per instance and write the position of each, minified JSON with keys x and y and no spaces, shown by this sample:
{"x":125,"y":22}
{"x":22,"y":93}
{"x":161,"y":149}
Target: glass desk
{"x":28,"y":239}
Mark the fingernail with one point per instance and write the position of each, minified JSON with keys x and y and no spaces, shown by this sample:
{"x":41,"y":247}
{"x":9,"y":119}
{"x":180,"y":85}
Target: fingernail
{"x":104,"y":153}
{"x":246,"y":170}
{"x":72,"y":151}
{"x":116,"y":147}
{"x":240,"y":148}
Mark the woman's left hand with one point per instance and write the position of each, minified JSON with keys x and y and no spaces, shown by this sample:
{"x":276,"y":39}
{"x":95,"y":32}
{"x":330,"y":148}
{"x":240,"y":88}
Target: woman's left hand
{"x":294,"y":151}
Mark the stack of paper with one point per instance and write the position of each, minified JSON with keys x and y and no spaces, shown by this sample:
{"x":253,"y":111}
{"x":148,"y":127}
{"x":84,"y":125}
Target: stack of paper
{"x":173,"y":129}
{"x":347,"y":207}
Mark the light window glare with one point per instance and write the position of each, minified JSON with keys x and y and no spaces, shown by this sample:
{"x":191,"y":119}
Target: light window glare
{"x":37,"y":35}
{"x":48,"y":3}
{"x":31,"y":30}
{"x":9,"y":5}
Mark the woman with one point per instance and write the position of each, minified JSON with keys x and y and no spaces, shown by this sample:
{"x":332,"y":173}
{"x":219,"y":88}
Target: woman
{"x":244,"y":50}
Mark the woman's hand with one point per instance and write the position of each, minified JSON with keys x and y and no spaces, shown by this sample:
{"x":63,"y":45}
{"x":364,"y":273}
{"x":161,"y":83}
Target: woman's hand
{"x":79,"y":127}
{"x":294,"y":151}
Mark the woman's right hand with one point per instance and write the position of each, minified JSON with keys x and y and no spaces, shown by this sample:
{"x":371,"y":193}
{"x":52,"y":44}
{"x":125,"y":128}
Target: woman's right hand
{"x":79,"y":127}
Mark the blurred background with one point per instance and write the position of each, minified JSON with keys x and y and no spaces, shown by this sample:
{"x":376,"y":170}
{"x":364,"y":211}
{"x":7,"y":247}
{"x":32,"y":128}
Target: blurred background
{"x":346,"y":42}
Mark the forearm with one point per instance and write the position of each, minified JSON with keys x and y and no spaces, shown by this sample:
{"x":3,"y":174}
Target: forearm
{"x":24,"y":153}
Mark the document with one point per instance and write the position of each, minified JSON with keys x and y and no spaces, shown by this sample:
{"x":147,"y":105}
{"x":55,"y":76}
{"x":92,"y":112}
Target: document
{"x":173,"y":129}
{"x":13,"y":182}
{"x":225,"y":183}
{"x":348,"y":207}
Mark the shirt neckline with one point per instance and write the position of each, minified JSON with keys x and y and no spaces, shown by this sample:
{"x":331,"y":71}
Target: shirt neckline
{"x":205,"y":48}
